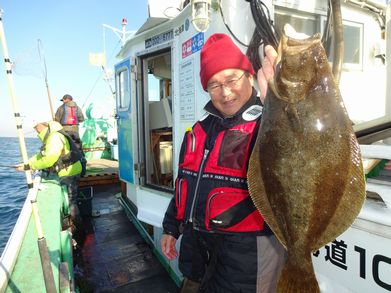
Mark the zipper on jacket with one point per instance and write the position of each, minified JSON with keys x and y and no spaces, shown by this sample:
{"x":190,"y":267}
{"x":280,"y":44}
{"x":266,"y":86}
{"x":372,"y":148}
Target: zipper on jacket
{"x":180,"y":191}
{"x":200,"y":172}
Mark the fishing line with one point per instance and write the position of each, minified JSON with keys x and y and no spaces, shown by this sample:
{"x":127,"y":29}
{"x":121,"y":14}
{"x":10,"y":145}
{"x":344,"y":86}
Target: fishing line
{"x":227,"y":26}
{"x":7,"y":166}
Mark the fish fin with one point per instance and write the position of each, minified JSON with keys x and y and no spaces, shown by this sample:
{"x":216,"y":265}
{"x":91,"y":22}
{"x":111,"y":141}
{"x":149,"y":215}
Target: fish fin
{"x":351,"y":200}
{"x":294,"y":278}
{"x":258,"y":193}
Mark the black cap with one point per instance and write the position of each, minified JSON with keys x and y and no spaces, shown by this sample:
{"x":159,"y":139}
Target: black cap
{"x":66,"y":97}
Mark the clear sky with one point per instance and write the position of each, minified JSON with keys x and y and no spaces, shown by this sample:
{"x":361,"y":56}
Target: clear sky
{"x":68,"y":31}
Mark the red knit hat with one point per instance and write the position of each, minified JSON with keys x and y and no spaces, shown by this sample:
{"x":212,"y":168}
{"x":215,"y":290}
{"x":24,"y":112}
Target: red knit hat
{"x":219,"y":53}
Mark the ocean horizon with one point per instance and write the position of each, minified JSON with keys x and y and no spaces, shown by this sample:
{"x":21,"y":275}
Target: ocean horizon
{"x":13,"y":185}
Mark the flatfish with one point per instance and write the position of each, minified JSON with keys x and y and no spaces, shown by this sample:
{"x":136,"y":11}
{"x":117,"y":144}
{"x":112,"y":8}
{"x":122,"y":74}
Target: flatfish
{"x":305,"y":173}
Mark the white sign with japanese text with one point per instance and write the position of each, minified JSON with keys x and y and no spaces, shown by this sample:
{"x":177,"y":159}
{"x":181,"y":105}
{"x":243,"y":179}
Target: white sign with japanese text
{"x":186,"y":90}
{"x":357,"y":261}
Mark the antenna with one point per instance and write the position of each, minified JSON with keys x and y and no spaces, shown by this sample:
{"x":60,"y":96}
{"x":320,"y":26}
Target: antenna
{"x":122,"y":34}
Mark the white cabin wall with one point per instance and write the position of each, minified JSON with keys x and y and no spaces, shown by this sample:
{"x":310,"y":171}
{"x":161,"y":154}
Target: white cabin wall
{"x":388,"y":54}
{"x":360,"y":86}
{"x":317,"y":6}
{"x":182,"y":124}
{"x":159,"y":8}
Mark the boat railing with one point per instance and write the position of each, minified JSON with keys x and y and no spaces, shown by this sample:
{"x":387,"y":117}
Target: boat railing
{"x":12,"y":248}
{"x":375,"y":151}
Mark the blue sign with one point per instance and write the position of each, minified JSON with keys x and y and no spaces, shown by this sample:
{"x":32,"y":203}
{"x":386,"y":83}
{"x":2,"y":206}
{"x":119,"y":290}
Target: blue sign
{"x":197,"y":42}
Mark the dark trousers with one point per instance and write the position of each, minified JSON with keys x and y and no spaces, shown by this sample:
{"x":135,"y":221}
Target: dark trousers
{"x":72,"y":185}
{"x":192,"y":259}
{"x":221,"y":262}
{"x":230,"y":262}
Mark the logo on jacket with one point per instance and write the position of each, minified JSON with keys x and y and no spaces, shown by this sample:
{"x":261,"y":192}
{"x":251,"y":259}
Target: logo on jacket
{"x":252,"y":113}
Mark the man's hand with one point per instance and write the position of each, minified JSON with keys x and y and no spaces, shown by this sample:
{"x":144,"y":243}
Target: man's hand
{"x":167,"y":244}
{"x":19,"y":167}
{"x":266,"y":72}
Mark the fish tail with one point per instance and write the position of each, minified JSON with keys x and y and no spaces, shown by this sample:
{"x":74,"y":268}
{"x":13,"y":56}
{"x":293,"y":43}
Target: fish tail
{"x":295,"y":279}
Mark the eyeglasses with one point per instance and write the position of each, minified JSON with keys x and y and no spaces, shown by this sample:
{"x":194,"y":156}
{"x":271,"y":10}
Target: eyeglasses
{"x":215,"y":88}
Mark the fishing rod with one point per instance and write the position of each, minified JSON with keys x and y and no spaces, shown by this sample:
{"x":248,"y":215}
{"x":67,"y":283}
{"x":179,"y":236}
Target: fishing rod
{"x":338,"y":39}
{"x":7,"y":166}
{"x":43,"y":62}
{"x":42,"y":246}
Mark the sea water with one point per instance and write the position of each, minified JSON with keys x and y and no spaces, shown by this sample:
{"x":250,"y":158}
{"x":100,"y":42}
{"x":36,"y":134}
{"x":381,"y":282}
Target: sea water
{"x":13,"y":184}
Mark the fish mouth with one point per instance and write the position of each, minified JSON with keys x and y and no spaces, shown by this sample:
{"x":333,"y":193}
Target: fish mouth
{"x":290,"y":46}
{"x":293,"y":42}
{"x":294,"y":66}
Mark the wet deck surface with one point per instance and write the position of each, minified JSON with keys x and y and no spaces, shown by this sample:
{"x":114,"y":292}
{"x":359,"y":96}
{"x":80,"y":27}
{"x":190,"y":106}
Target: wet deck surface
{"x":113,"y":257}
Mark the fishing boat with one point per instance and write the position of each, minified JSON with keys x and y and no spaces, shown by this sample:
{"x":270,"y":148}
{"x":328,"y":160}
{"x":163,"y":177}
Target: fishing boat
{"x":158,"y":96}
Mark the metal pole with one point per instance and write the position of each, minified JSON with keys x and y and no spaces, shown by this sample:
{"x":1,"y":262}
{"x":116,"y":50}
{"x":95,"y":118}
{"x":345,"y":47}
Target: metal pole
{"x":43,"y":250}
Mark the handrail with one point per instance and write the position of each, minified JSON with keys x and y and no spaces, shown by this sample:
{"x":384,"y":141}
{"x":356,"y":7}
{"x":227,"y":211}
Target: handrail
{"x":374,"y":151}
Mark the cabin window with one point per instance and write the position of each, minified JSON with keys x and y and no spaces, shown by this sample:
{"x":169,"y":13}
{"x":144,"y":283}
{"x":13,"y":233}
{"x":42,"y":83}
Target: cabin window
{"x":157,"y":120}
{"x":310,"y":23}
{"x":302,"y":22}
{"x":123,"y":89}
{"x":353,"y":44}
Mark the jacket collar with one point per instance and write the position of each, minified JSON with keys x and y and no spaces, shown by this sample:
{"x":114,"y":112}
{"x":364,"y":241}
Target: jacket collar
{"x":42,"y":134}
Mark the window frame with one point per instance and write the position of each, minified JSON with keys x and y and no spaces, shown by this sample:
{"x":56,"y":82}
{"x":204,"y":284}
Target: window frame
{"x":123,"y":96}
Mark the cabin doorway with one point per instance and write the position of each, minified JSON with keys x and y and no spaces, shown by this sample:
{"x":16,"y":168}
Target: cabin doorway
{"x":156,"y":121}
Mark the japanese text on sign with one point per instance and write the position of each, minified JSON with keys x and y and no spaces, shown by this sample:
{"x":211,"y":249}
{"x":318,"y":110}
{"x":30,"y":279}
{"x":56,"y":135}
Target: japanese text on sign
{"x":159,"y":39}
{"x":375,"y":266}
{"x":186,"y":91}
{"x":192,"y":45}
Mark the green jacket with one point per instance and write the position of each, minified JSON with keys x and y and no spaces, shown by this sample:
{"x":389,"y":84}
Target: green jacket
{"x":55,"y":144}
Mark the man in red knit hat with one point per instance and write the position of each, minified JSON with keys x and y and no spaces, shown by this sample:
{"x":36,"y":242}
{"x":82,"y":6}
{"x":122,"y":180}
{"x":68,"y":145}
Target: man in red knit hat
{"x":226,"y":246}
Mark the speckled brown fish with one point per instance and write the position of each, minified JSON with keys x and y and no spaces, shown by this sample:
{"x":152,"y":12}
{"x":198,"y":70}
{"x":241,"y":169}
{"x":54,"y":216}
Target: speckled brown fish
{"x":305,"y":174}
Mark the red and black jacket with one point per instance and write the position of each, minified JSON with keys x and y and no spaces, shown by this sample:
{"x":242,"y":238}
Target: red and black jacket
{"x":211,"y":188}
{"x":70,"y":115}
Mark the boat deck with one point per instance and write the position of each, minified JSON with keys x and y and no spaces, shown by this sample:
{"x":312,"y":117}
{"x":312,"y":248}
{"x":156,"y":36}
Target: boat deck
{"x":112,"y":255}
